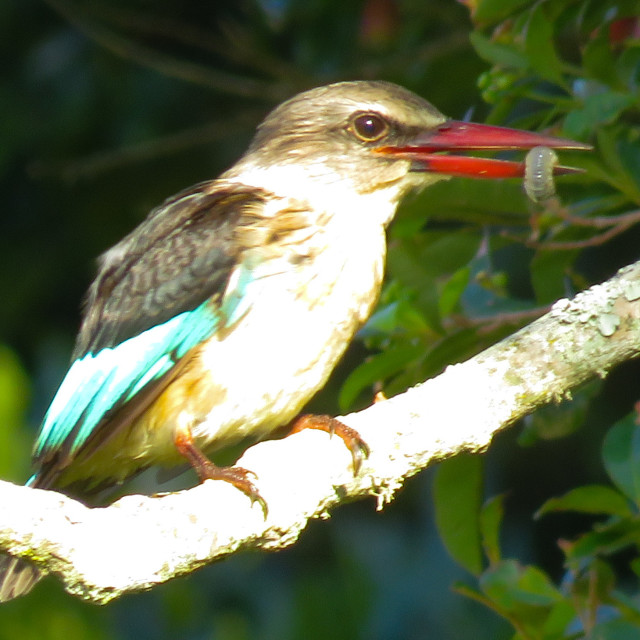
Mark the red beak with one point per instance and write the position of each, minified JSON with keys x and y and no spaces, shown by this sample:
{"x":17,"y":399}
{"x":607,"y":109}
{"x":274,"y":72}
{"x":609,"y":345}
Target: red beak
{"x":454,"y":135}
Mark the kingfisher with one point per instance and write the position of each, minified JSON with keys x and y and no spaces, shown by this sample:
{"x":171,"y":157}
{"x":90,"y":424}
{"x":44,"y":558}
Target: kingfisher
{"x":227,"y":308}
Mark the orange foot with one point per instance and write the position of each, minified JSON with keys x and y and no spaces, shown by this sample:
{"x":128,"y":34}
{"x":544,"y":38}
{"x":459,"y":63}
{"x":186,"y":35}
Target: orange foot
{"x":207,"y":470}
{"x":357,"y":446}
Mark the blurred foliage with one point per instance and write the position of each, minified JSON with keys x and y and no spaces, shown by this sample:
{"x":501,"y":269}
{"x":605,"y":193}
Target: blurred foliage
{"x":110,"y":106}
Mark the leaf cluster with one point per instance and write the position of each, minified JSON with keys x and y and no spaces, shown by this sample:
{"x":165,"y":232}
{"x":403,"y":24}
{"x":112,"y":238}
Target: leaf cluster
{"x":573,"y":68}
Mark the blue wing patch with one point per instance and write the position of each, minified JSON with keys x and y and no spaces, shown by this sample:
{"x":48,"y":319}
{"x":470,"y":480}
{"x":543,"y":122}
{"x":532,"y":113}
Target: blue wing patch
{"x":97,"y":383}
{"x":169,"y":285}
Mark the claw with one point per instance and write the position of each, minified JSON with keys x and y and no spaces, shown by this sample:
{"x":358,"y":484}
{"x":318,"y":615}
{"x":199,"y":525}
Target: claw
{"x":357,"y":446}
{"x":207,"y":470}
{"x":238,"y":477}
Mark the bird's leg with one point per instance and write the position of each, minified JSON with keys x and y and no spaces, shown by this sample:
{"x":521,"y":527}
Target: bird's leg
{"x":357,"y":446}
{"x":207,"y":470}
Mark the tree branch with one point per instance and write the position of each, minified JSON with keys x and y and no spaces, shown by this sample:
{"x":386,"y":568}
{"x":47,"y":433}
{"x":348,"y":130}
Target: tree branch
{"x":141,"y":541}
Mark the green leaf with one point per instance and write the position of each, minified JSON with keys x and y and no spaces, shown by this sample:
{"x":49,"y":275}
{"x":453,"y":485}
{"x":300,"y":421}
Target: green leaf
{"x":374,"y":369}
{"x":513,"y":586}
{"x":453,"y":290}
{"x":457,"y":346}
{"x":548,"y":274}
{"x":602,"y":540}
{"x":474,"y":594}
{"x":477,"y":202}
{"x":492,"y":11}
{"x":425,"y":261}
{"x":14,"y":398}
{"x":400,"y":315}
{"x":561,"y":614}
{"x":597,"y":58}
{"x":496,"y":53}
{"x":615,"y":630}
{"x":457,"y":493}
{"x":526,"y":594}
{"x":537,"y":587}
{"x":592,"y":498}
{"x":616,"y":171}
{"x":406,"y":271}
{"x":490,"y":520}
{"x":627,"y":604}
{"x":539,"y":45}
{"x":603,"y":107}
{"x":621,"y":453}
{"x":628,"y":67}
{"x":629,"y":151}
{"x":444,"y":253}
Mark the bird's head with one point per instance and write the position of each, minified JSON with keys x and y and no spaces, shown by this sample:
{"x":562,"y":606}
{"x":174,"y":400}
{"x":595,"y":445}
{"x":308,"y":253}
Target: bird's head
{"x":380,"y":137}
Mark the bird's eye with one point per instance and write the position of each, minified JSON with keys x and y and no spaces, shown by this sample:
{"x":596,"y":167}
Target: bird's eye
{"x":370,"y":127}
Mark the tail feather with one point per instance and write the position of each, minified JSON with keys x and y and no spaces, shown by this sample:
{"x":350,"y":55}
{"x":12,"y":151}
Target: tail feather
{"x":17,"y":577}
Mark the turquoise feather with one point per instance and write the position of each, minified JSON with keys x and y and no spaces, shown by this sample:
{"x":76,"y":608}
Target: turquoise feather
{"x":98,"y":383}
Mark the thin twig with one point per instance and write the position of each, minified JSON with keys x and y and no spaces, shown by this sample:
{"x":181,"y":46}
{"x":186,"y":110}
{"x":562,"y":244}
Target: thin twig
{"x":225,"y":44}
{"x":601,"y":222}
{"x":169,"y":66}
{"x":101,"y":162}
{"x":594,"y":241}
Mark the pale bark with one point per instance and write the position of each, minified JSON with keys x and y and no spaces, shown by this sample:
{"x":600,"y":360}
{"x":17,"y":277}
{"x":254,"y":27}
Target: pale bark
{"x":140,"y":541}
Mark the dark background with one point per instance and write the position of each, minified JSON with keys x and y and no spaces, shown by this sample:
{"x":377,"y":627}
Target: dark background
{"x":106,"y":108}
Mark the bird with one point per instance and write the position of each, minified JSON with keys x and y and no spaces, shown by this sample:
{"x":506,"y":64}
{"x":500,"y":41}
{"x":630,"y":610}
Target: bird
{"x":227,"y":308}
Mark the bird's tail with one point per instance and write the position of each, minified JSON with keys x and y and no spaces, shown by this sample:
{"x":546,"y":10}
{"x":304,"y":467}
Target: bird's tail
{"x":18,"y":576}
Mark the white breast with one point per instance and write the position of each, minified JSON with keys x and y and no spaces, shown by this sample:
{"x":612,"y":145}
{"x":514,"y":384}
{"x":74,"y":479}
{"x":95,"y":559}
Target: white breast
{"x":298,"y":317}
{"x":283,"y":349}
